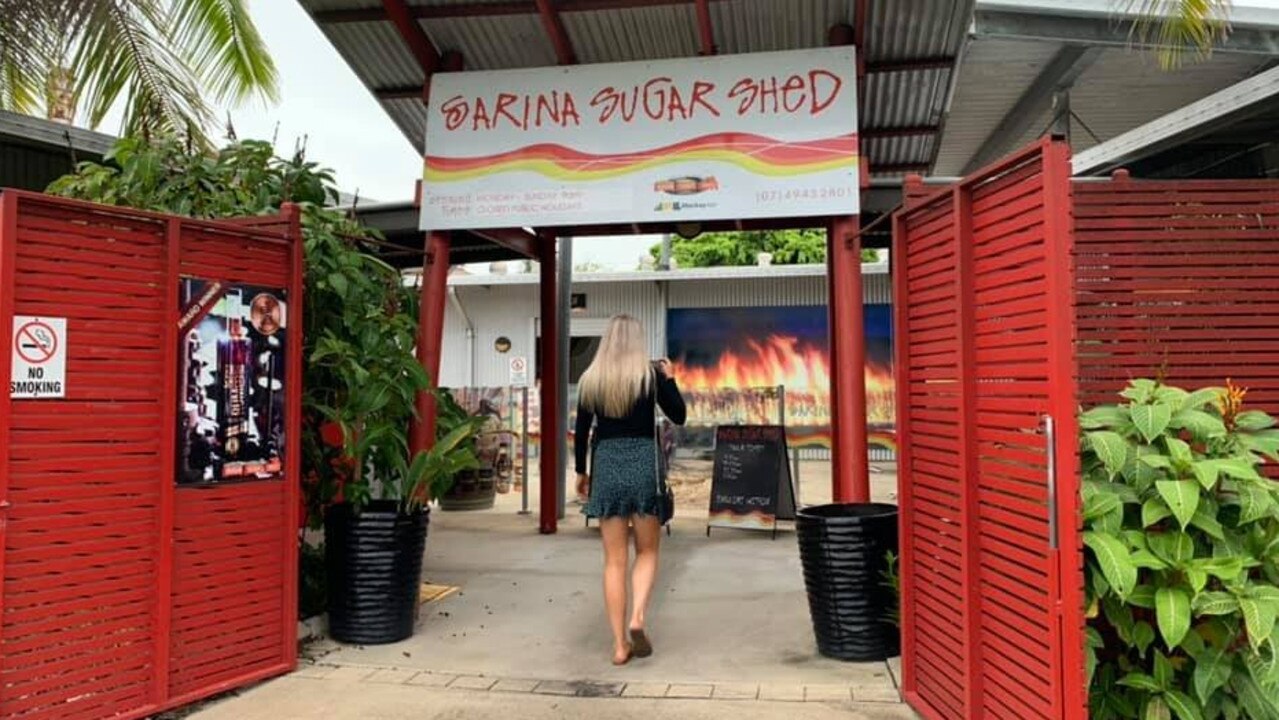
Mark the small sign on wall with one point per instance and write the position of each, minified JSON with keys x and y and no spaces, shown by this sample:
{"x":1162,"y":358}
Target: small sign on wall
{"x":39,"y":358}
{"x":519,"y":372}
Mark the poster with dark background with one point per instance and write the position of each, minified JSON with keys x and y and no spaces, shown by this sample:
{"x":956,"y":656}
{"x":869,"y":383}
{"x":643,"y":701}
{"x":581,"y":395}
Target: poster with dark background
{"x":231,"y":360}
{"x":726,"y":357}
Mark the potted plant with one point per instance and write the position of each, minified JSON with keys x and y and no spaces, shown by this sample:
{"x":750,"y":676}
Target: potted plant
{"x":364,"y":379}
{"x":474,"y":488}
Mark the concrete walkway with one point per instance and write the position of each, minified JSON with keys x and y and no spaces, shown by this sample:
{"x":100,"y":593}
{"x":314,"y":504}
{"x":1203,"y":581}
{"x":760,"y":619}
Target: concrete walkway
{"x":301,"y":698}
{"x":527,"y":630}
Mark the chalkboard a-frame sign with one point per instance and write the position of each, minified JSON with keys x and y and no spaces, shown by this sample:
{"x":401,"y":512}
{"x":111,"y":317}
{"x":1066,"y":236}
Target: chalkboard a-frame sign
{"x":751,"y":485}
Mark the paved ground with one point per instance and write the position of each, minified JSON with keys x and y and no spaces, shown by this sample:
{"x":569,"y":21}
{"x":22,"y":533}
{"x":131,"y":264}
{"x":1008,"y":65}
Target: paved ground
{"x":298,"y":698}
{"x":527,"y":634}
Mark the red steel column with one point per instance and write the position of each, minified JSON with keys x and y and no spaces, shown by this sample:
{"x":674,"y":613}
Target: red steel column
{"x":850,"y":476}
{"x":551,"y":467}
{"x":430,"y":336}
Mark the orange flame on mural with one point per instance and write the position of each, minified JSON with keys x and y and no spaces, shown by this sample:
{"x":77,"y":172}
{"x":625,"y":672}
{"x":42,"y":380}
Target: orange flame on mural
{"x":804,"y":371}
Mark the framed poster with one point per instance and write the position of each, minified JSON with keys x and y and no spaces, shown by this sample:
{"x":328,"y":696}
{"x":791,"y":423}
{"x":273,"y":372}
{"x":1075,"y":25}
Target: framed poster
{"x":231,"y":362}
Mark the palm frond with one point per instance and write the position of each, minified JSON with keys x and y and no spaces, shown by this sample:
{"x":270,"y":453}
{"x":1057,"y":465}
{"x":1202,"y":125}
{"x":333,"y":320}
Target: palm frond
{"x":25,"y":49}
{"x":127,"y":50}
{"x":1172,"y":27}
{"x":224,"y":48}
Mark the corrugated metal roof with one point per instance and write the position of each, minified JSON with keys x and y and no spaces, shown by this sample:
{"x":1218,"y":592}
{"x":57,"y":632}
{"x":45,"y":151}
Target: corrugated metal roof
{"x":498,"y":42}
{"x":1119,"y":91}
{"x":376,"y":53}
{"x":1147,"y":90}
{"x":665,"y":31}
{"x":994,"y":76}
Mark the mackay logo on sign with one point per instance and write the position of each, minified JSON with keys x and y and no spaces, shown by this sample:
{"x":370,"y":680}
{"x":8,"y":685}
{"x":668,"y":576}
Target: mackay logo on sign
{"x":39,"y":358}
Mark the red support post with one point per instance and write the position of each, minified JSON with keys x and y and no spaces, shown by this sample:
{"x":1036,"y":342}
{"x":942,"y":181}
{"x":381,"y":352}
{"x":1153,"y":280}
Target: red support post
{"x":850,"y":462}
{"x":705,"y":28}
{"x":551,"y":468}
{"x":430,"y":336}
{"x":554,"y":27}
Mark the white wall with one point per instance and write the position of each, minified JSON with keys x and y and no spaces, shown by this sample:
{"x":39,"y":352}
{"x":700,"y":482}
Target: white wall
{"x":512,"y":310}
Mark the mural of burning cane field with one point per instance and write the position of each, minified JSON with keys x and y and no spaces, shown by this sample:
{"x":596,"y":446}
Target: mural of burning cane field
{"x":768,"y":365}
{"x":740,"y":365}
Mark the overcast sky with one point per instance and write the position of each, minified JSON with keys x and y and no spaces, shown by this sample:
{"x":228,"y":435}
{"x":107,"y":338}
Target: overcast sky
{"x":346,"y":129}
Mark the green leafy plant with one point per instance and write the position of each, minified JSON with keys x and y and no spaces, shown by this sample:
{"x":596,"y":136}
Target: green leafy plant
{"x":360,"y":376}
{"x":1182,"y":573}
{"x":892,"y":581}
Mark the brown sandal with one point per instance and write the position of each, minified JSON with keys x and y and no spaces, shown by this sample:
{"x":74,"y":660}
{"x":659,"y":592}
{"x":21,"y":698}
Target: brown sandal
{"x":642,"y":647}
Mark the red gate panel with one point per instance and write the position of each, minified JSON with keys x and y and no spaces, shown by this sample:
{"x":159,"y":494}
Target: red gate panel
{"x":121,"y":594}
{"x":987,"y":464}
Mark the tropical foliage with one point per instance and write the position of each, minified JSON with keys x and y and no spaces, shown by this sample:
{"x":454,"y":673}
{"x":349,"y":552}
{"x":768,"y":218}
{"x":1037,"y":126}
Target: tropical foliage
{"x":1173,"y":26}
{"x":788,"y":247}
{"x":360,"y":375}
{"x":163,"y":60}
{"x":1182,"y":531}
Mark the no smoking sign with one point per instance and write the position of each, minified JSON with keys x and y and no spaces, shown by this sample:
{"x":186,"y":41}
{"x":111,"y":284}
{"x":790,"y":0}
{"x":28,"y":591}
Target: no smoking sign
{"x":39,"y":358}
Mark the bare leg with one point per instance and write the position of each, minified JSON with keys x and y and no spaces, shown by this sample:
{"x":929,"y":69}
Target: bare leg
{"x":648,"y":533}
{"x":614,"y":531}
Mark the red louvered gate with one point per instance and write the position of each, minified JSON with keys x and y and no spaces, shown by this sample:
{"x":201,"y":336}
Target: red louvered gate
{"x":122,"y":594}
{"x":987,"y":442}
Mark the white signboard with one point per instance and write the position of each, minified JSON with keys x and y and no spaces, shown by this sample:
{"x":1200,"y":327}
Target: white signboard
{"x":721,"y":138}
{"x":39,"y":358}
{"x":519,"y":372}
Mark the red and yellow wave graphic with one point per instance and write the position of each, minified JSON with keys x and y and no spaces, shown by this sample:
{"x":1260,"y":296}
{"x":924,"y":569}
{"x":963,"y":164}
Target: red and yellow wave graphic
{"x":757,"y":520}
{"x":754,"y":153}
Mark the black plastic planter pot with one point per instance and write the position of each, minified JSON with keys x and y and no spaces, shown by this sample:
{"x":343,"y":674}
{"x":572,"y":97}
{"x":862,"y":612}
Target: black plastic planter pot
{"x":843,"y":549}
{"x":374,"y":563}
{"x":471,"y":490}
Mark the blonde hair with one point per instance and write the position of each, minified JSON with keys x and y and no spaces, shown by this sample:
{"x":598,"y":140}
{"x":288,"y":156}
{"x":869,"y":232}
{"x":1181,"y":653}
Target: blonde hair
{"x":621,"y":372}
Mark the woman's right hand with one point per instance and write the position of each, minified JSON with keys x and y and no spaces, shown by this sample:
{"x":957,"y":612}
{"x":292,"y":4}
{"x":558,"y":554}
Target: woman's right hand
{"x":583,"y":485}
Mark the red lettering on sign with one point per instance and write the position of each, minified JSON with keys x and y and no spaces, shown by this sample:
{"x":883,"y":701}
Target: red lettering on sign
{"x":504,"y":101}
{"x":793,"y":95}
{"x":833,"y":91}
{"x":700,"y":90}
{"x":455,"y":111}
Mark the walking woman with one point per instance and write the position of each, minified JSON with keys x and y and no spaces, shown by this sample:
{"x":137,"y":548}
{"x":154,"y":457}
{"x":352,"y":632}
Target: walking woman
{"x":619,"y":394}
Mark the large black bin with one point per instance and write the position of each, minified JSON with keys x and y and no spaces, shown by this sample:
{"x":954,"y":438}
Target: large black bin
{"x":843,"y":549}
{"x":374,"y":562}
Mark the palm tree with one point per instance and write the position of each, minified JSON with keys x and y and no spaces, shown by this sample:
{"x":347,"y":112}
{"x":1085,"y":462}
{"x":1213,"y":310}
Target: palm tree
{"x":164,"y":60}
{"x":1173,"y":26}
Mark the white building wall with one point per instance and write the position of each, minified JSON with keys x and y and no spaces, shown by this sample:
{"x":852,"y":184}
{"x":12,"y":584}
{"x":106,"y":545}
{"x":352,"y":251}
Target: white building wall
{"x":511,"y":310}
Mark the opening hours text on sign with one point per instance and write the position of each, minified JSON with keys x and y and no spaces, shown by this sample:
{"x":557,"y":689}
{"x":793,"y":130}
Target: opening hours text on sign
{"x":39,"y":358}
{"x":764,"y":135}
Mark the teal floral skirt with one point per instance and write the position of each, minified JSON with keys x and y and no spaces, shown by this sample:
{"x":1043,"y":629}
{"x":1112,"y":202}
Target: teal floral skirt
{"x":623,"y":479}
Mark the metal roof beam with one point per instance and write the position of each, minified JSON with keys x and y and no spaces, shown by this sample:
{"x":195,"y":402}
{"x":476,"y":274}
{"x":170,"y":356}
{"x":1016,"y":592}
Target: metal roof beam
{"x":705,"y":30}
{"x":554,"y":26}
{"x":1061,"y":72}
{"x":899,"y":132}
{"x":919,"y":167}
{"x":413,"y":35}
{"x":911,"y":65}
{"x":517,"y":241}
{"x":1099,"y":30}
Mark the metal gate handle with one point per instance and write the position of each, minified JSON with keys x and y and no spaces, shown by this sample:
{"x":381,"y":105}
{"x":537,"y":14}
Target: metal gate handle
{"x":1050,"y":437}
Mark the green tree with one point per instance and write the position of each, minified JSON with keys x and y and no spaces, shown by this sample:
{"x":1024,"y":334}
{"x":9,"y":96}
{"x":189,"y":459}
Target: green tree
{"x":164,"y":60}
{"x":736,"y":248}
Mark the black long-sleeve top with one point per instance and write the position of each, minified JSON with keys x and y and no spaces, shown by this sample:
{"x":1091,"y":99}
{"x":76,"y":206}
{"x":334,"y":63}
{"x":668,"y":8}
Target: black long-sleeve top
{"x":638,"y":423}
